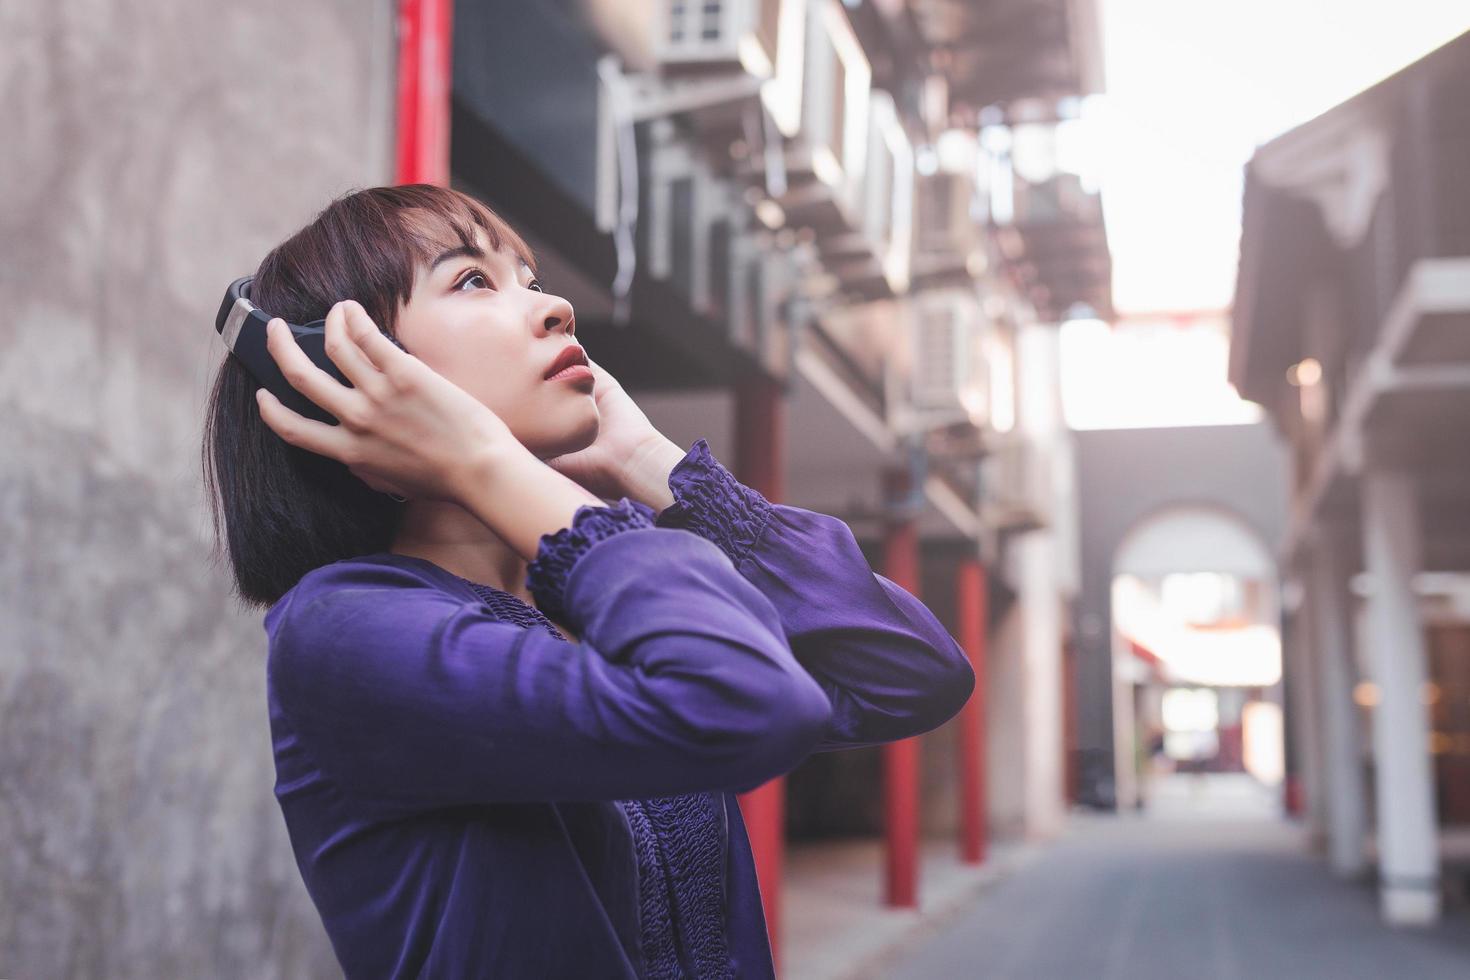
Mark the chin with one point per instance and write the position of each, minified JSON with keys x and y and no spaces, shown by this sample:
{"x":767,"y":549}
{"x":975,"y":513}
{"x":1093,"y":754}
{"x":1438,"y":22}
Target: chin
{"x":569,"y":439}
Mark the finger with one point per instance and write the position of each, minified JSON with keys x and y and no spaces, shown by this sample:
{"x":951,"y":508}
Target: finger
{"x":296,"y":429}
{"x":342,"y":347}
{"x":300,"y":373}
{"x":370,"y":339}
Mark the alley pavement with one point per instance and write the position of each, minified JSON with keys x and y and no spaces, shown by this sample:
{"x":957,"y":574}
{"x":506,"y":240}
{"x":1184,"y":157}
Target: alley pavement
{"x":1209,"y":884}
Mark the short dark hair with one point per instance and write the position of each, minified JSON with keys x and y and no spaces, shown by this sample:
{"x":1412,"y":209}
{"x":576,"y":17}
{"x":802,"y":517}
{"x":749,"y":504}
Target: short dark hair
{"x":280,"y":511}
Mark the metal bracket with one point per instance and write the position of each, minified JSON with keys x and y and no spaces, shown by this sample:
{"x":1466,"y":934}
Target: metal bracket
{"x":654,"y":97}
{"x":912,"y":503}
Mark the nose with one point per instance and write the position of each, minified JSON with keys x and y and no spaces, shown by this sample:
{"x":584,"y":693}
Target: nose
{"x":559,"y":313}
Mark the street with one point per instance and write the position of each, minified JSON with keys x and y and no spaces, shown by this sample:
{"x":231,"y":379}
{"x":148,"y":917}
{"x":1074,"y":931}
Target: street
{"x":1209,"y":887}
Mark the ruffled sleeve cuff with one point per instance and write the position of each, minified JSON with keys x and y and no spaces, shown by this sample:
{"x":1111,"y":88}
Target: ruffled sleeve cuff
{"x":709,"y":501}
{"x":546,"y":575}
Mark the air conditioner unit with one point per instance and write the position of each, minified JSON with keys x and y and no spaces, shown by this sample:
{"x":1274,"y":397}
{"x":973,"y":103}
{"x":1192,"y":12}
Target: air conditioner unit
{"x":946,"y":366}
{"x":1015,"y":486}
{"x":718,"y":35}
{"x":729,"y":222}
{"x":946,"y":221}
{"x":668,"y":161}
{"x":759,"y":279}
{"x":1061,"y":198}
{"x":683,"y":197}
{"x":763,"y":39}
{"x":826,"y":157}
{"x":873,"y":261}
{"x":888,"y":199}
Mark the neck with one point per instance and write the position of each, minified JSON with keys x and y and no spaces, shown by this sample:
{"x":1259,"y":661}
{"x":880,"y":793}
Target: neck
{"x":450,"y":537}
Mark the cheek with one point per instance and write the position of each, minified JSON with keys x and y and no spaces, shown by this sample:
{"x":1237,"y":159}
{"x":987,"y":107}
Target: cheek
{"x":484,"y":357}
{"x":500,"y":376}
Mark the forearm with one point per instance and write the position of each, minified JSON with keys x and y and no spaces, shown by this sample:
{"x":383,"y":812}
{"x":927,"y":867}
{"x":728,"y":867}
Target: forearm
{"x":889,"y":667}
{"x":520,"y":498}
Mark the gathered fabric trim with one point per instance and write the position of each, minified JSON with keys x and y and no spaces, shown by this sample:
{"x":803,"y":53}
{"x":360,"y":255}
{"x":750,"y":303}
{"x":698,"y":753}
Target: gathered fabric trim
{"x":680,"y":850}
{"x":557,"y":553}
{"x":709,"y":501}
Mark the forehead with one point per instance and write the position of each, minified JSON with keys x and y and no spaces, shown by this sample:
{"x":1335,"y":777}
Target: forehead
{"x":432,"y":234}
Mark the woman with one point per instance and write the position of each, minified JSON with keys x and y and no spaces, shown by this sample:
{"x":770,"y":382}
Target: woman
{"x":510,"y":718}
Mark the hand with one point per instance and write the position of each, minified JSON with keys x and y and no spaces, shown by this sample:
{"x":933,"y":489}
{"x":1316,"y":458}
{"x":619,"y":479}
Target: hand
{"x":623,"y":434}
{"x":404,"y":428}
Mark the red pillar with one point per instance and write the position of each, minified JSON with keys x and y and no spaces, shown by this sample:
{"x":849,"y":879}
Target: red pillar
{"x":1292,"y":795}
{"x":970,"y":603}
{"x":760,"y":464}
{"x":901,"y":758}
{"x":422,"y":145}
{"x":1069,"y":719}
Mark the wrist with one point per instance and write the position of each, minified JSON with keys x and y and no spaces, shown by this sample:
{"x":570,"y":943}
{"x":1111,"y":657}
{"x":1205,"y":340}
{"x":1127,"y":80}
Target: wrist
{"x":483,"y":468}
{"x":518,"y":497}
{"x":644,"y":475}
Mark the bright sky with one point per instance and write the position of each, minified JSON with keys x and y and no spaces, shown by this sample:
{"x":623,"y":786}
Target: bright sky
{"x":1149,"y":372}
{"x":1194,"y":87}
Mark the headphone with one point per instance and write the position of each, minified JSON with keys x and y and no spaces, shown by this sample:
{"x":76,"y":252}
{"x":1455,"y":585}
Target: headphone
{"x":241,"y":326}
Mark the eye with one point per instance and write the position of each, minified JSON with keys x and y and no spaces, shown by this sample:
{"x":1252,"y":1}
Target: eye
{"x":536,"y":285}
{"x":473,"y":275}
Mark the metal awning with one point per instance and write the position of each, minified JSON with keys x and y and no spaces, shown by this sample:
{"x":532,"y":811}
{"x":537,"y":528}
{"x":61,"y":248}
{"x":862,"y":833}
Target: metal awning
{"x":1405,"y":407}
{"x":1000,"y":51}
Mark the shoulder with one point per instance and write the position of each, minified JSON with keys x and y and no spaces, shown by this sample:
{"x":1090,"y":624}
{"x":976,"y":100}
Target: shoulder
{"x":374,"y":619}
{"x":354,"y":584}
{"x":383,"y":569}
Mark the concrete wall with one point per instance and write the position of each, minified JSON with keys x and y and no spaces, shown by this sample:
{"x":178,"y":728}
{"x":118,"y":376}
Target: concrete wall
{"x":153,"y":152}
{"x":1126,"y":475}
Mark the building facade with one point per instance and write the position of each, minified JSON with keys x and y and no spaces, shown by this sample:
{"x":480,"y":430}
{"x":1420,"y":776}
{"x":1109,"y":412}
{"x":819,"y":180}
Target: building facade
{"x":794,"y":228}
{"x":1351,"y":313}
{"x":804,"y":231}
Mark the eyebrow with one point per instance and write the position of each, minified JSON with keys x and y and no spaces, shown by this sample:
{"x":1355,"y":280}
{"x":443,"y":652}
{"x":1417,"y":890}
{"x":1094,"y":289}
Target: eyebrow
{"x":463,"y":251}
{"x":470,"y":251}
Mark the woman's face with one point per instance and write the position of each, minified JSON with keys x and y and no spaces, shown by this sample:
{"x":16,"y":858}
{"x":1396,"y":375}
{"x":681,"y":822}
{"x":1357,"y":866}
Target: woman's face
{"x":480,"y":319}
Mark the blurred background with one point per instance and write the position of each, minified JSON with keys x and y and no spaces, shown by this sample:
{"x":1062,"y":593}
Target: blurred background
{"x":1133,"y":336}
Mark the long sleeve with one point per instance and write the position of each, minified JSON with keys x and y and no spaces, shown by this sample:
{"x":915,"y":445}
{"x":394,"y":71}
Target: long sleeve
{"x":889,"y":668}
{"x":412,"y":698}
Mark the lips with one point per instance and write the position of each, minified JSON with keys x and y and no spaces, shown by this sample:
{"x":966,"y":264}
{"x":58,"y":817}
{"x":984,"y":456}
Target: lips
{"x":571,"y":354}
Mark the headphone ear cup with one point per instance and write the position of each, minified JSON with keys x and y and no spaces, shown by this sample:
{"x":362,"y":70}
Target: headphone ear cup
{"x":242,"y":327}
{"x":312,"y":340}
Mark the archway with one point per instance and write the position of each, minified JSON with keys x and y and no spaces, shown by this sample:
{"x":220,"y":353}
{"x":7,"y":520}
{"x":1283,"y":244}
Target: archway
{"x":1196,"y":648}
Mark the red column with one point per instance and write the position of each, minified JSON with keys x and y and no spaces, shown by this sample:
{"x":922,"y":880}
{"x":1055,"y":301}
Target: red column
{"x":971,"y":616}
{"x":760,"y":463}
{"x":422,"y":145}
{"x":1069,"y":719}
{"x":901,"y":758}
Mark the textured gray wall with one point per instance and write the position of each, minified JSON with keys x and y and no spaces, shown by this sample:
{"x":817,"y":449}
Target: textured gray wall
{"x":153,"y":151}
{"x":1123,"y":476}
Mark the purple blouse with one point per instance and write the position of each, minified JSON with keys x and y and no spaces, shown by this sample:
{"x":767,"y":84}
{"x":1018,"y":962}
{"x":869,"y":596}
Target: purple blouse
{"x":469,"y":795}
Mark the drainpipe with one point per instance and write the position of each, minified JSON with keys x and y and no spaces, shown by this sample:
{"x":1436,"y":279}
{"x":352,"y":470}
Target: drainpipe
{"x":421,"y":146}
